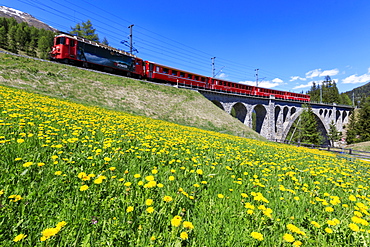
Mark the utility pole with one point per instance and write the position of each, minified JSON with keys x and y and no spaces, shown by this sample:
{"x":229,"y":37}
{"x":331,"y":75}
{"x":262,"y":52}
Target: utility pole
{"x":321,"y":92}
{"x":353,"y":98}
{"x":131,"y":37}
{"x":256,"y":77}
{"x":213,"y":67}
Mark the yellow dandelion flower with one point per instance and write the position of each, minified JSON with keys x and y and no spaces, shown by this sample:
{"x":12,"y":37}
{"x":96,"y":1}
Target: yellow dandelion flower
{"x":127,"y":184}
{"x":288,"y":237}
{"x":184,"y":236}
{"x":84,"y":187}
{"x":149,"y":202}
{"x":352,"y":198}
{"x":20,"y":140}
{"x":257,"y":235}
{"x":149,"y":178}
{"x":220,"y":196}
{"x":297,"y":243}
{"x":315,"y":224}
{"x":150,"y":210}
{"x":167,"y":198}
{"x":328,"y":230}
{"x":354,"y":227}
{"x":129,"y":209}
{"x":176,"y":221}
{"x":329,"y":209}
{"x":19,"y":237}
{"x":188,"y":225}
{"x":27,"y":164}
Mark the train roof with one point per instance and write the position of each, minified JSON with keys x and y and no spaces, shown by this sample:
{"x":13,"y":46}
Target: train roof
{"x":169,"y":67}
{"x":97,"y":44}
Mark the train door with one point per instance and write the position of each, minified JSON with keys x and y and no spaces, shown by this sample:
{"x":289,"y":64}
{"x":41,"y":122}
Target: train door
{"x":139,"y":67}
{"x":72,"y":48}
{"x":150,"y":68}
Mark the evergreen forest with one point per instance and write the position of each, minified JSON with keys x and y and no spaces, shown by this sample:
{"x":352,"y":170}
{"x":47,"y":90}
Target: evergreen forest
{"x":24,"y":39}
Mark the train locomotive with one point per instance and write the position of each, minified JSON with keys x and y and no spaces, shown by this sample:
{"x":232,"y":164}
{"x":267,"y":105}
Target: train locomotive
{"x":82,"y":52}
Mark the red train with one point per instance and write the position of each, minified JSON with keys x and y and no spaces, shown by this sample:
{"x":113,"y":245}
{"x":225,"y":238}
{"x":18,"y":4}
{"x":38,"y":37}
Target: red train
{"x":79,"y":51}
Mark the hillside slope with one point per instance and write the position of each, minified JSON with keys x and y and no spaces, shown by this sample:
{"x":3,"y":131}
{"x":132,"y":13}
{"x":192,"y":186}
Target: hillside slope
{"x":180,"y":106}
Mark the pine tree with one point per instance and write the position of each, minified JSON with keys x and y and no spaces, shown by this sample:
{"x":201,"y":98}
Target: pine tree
{"x":44,"y":44}
{"x":352,"y":130}
{"x":344,"y":99}
{"x":3,"y":37}
{"x":85,"y":30}
{"x":364,"y":121}
{"x":105,"y":41}
{"x":305,"y":129}
{"x":12,"y":42}
{"x":333,"y":134}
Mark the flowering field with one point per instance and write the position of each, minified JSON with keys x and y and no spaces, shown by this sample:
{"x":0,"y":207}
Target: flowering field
{"x":74,"y":175}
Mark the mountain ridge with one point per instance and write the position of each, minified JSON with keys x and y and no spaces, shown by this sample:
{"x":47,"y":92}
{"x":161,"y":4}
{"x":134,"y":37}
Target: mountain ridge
{"x":20,"y":16}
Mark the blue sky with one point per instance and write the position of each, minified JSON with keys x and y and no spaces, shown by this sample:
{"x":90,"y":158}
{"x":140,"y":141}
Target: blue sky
{"x":291,"y":43}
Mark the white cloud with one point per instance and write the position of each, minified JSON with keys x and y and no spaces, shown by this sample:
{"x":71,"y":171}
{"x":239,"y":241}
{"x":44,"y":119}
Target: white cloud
{"x":319,"y":73}
{"x":313,"y":73}
{"x":357,"y":79}
{"x":266,"y":84}
{"x":294,"y":78}
{"x":304,"y":85}
{"x":222,"y":76}
{"x":277,"y":80}
{"x":331,"y":72}
{"x":251,"y":83}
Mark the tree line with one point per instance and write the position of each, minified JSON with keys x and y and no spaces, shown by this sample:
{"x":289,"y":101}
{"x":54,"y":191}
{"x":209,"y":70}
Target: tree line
{"x":22,"y":38}
{"x":328,"y":92}
{"x":358,"y":129}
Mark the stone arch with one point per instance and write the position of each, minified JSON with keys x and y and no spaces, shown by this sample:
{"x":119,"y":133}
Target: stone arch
{"x":261,"y":113}
{"x":293,"y":110}
{"x":322,"y":128}
{"x":277,"y":114}
{"x":337,"y":116}
{"x":289,"y":124}
{"x":285,"y":113}
{"x":240,"y":111}
{"x":218,"y":104}
{"x":321,"y":111}
{"x":345,"y":115}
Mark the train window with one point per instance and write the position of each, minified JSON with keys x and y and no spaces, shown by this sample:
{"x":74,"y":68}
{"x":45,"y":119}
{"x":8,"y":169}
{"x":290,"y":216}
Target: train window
{"x":182,"y":74}
{"x":71,"y":42}
{"x":190,"y":76}
{"x":151,"y":67}
{"x":203,"y":79}
{"x":61,"y":41}
{"x":165,"y":70}
{"x":174,"y":72}
{"x":196,"y":78}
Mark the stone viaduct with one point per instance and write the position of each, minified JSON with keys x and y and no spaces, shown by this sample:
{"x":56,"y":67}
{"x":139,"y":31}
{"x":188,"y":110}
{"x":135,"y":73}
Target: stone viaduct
{"x":275,"y":117}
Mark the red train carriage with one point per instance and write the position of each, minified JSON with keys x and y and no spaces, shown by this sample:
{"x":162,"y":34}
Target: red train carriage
{"x":222,"y":85}
{"x":80,"y":51}
{"x":157,"y":72}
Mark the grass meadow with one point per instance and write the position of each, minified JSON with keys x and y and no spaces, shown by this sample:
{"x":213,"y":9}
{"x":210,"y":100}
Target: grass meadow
{"x":76,"y":175}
